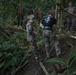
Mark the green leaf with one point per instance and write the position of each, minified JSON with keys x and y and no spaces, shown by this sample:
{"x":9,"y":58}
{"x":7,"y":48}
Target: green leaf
{"x":73,"y":54}
{"x":1,"y":54}
{"x":15,"y":61}
{"x":72,"y":64}
{"x":9,"y":63}
{"x":52,"y":73}
{"x":57,"y":61}
{"x":2,"y":64}
{"x":60,"y":74}
{"x":58,"y":1}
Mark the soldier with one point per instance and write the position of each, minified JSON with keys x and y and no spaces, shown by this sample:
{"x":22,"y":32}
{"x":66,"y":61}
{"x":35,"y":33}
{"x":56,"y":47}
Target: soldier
{"x":47,"y":24}
{"x":20,"y":14}
{"x":39,"y":14}
{"x":31,"y":10}
{"x":53,"y":10}
{"x":70,"y":20}
{"x":30,"y":15}
{"x":31,"y":37}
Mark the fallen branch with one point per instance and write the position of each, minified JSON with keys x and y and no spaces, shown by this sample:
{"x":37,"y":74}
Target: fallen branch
{"x":44,"y":69}
{"x":74,"y":37}
{"x":44,"y":60}
{"x":5,"y":35}
{"x":14,"y":28}
{"x":15,"y":71}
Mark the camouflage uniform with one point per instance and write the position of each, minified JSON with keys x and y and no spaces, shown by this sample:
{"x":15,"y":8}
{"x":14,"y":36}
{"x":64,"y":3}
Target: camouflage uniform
{"x":32,"y":39}
{"x":20,"y":14}
{"x":49,"y":37}
{"x":70,"y":20}
{"x":39,"y":14}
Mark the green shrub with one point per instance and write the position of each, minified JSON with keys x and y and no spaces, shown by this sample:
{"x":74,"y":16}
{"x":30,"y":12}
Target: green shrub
{"x":65,"y":67}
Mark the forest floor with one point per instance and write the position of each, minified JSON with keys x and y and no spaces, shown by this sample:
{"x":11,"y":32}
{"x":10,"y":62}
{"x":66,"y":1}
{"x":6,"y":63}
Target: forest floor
{"x":33,"y":66}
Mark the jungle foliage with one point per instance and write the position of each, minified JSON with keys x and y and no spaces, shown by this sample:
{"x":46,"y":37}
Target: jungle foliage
{"x":13,"y":45}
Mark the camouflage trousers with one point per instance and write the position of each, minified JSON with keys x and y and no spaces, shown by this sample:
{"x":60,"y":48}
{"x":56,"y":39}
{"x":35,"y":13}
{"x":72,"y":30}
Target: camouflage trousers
{"x":33,"y":42}
{"x":70,"y":23}
{"x":49,"y":37}
{"x":20,"y":18}
{"x":35,"y":49}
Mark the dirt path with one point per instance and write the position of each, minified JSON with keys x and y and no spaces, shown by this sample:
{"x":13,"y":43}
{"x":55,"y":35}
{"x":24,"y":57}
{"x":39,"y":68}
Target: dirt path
{"x":33,"y":66}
